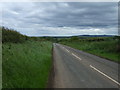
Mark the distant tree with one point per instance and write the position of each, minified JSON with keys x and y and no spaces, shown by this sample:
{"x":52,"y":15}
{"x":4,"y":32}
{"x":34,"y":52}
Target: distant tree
{"x":74,"y":38}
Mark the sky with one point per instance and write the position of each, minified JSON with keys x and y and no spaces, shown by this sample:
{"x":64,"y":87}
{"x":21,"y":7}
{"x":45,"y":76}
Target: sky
{"x":60,"y":18}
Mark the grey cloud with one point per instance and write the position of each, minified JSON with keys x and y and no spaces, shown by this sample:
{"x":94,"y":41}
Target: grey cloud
{"x":75,"y":15}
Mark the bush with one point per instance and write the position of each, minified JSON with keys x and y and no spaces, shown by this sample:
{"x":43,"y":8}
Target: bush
{"x":9,"y":35}
{"x":74,"y":38}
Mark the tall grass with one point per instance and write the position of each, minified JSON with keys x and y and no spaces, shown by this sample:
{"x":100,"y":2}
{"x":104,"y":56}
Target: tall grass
{"x":26,"y":65}
{"x":106,"y":49}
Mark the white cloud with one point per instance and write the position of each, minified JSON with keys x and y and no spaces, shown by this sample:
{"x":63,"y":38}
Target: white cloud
{"x":39,"y":19}
{"x":64,"y":31}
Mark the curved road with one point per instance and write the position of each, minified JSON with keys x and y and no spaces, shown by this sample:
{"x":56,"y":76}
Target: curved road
{"x":76,"y":69}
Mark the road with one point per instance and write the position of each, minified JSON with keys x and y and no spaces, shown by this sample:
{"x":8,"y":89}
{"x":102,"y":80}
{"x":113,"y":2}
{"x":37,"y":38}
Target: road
{"x":77,"y":69}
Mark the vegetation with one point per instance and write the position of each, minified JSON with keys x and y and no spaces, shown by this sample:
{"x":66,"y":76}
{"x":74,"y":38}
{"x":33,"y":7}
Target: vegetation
{"x":26,"y":65}
{"x":106,"y":47}
{"x":26,"y":60}
{"x":9,"y":35}
{"x":12,"y":36}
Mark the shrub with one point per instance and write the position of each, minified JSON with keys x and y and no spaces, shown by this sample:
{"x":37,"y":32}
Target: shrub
{"x":9,"y":35}
{"x":74,"y":38}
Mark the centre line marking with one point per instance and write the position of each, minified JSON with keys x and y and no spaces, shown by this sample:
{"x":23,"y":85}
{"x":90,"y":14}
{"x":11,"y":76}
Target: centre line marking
{"x":76,"y":56}
{"x":67,"y":50}
{"x":105,"y":75}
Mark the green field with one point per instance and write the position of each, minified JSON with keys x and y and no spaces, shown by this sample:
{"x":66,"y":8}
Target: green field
{"x":106,"y":49}
{"x":26,"y":61}
{"x":26,"y":65}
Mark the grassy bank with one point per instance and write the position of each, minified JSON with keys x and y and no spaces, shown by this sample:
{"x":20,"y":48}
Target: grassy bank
{"x":26,"y":65}
{"x":105,"y":49}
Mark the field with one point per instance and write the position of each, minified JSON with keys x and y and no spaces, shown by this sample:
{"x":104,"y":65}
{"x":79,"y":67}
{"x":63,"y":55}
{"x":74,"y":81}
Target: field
{"x":106,"y":48}
{"x":26,"y":65}
{"x":26,"y":61}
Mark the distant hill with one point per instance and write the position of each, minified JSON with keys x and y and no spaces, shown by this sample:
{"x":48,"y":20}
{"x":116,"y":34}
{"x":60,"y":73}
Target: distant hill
{"x":97,"y":35}
{"x":81,"y":36}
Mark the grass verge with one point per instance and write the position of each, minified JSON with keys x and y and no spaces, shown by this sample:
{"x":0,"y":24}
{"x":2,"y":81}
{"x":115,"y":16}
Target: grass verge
{"x":105,"y":49}
{"x":26,"y":65}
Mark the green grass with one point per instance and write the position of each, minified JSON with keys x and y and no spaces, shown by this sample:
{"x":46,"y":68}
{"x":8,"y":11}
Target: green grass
{"x":105,"y":49}
{"x":26,"y":65}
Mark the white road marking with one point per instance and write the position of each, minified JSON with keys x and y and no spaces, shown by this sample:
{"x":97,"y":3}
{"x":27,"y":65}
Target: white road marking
{"x":67,"y":50}
{"x":105,"y":75}
{"x":76,"y":56}
{"x":63,"y":48}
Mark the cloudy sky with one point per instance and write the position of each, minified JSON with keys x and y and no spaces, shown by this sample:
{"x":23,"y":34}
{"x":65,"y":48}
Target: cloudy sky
{"x":60,"y":18}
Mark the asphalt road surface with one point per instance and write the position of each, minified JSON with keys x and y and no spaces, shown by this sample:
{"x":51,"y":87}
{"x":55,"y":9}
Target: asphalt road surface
{"x":77,"y":69}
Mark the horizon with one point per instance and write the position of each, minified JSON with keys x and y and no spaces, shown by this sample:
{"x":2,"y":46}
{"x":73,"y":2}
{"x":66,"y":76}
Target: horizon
{"x":73,"y":35}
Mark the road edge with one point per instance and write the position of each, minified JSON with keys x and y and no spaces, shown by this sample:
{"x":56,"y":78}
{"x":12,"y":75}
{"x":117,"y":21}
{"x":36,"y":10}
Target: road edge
{"x":94,"y":54}
{"x":50,"y":82}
